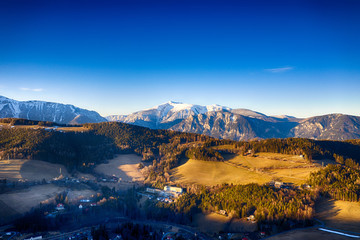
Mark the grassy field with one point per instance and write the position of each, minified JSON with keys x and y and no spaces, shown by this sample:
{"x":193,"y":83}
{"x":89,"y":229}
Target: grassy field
{"x":73,"y":129}
{"x":339,"y":214}
{"x":212,"y":173}
{"x":65,"y":129}
{"x":15,"y":203}
{"x":15,"y":169}
{"x":214,"y":223}
{"x":245,"y":169}
{"x":75,"y":195}
{"x":124,"y":166}
{"x":310,"y":233}
{"x":270,"y":160}
{"x":223,"y":147}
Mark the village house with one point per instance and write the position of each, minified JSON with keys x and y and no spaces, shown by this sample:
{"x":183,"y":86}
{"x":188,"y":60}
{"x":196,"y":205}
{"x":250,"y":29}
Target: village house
{"x":60,"y":207}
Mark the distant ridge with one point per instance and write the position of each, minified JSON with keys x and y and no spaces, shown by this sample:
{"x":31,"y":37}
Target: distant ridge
{"x":47,"y":111}
{"x":213,"y":120}
{"x":241,"y":124}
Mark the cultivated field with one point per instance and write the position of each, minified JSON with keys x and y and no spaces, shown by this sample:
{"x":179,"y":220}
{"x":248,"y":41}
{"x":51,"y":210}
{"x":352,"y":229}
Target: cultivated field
{"x":124,"y":166}
{"x":32,"y":170}
{"x":339,"y":214}
{"x":245,"y":169}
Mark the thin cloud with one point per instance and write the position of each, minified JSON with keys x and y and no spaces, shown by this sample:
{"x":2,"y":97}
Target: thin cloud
{"x":279,"y":70}
{"x":32,"y":89}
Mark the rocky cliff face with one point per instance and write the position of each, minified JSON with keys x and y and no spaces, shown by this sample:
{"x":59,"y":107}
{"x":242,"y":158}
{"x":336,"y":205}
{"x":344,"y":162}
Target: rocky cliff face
{"x":47,"y":111}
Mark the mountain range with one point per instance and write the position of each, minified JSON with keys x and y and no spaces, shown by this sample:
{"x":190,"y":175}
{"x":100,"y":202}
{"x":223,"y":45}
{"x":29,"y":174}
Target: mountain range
{"x":47,"y":111}
{"x":213,"y":120}
{"x":241,"y":124}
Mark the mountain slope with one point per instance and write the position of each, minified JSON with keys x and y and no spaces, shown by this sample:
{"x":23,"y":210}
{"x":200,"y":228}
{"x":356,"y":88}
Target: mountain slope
{"x":241,"y":124}
{"x":166,"y":115}
{"x":47,"y":111}
{"x":332,"y":126}
{"x":233,"y":126}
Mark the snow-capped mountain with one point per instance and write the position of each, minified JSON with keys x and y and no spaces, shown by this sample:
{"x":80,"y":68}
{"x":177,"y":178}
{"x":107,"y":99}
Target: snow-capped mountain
{"x":166,"y":115}
{"x":213,"y":120}
{"x":241,"y":124}
{"x":47,"y":111}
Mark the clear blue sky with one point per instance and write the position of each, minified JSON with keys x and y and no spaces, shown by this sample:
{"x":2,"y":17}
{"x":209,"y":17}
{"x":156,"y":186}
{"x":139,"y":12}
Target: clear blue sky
{"x":300,"y":58}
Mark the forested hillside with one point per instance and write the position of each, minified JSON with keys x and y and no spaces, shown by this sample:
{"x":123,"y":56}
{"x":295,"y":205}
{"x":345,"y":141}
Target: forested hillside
{"x":100,"y":141}
{"x":75,"y":149}
{"x":71,"y":149}
{"x":344,"y":152}
{"x":338,"y":182}
{"x":269,"y":206}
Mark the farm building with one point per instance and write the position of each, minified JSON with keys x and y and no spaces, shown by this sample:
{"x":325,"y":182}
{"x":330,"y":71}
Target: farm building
{"x":173,"y":189}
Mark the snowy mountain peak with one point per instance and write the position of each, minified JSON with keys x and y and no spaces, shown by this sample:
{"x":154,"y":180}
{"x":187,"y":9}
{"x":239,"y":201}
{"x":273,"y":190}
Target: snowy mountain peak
{"x":166,"y":114}
{"x":183,"y":110}
{"x":3,"y":98}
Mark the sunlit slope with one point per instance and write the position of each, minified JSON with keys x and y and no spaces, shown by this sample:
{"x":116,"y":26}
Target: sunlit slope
{"x":261,"y":169}
{"x":339,"y":214}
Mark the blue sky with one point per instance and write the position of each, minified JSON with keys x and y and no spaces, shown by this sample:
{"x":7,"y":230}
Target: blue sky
{"x":299,"y":58}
